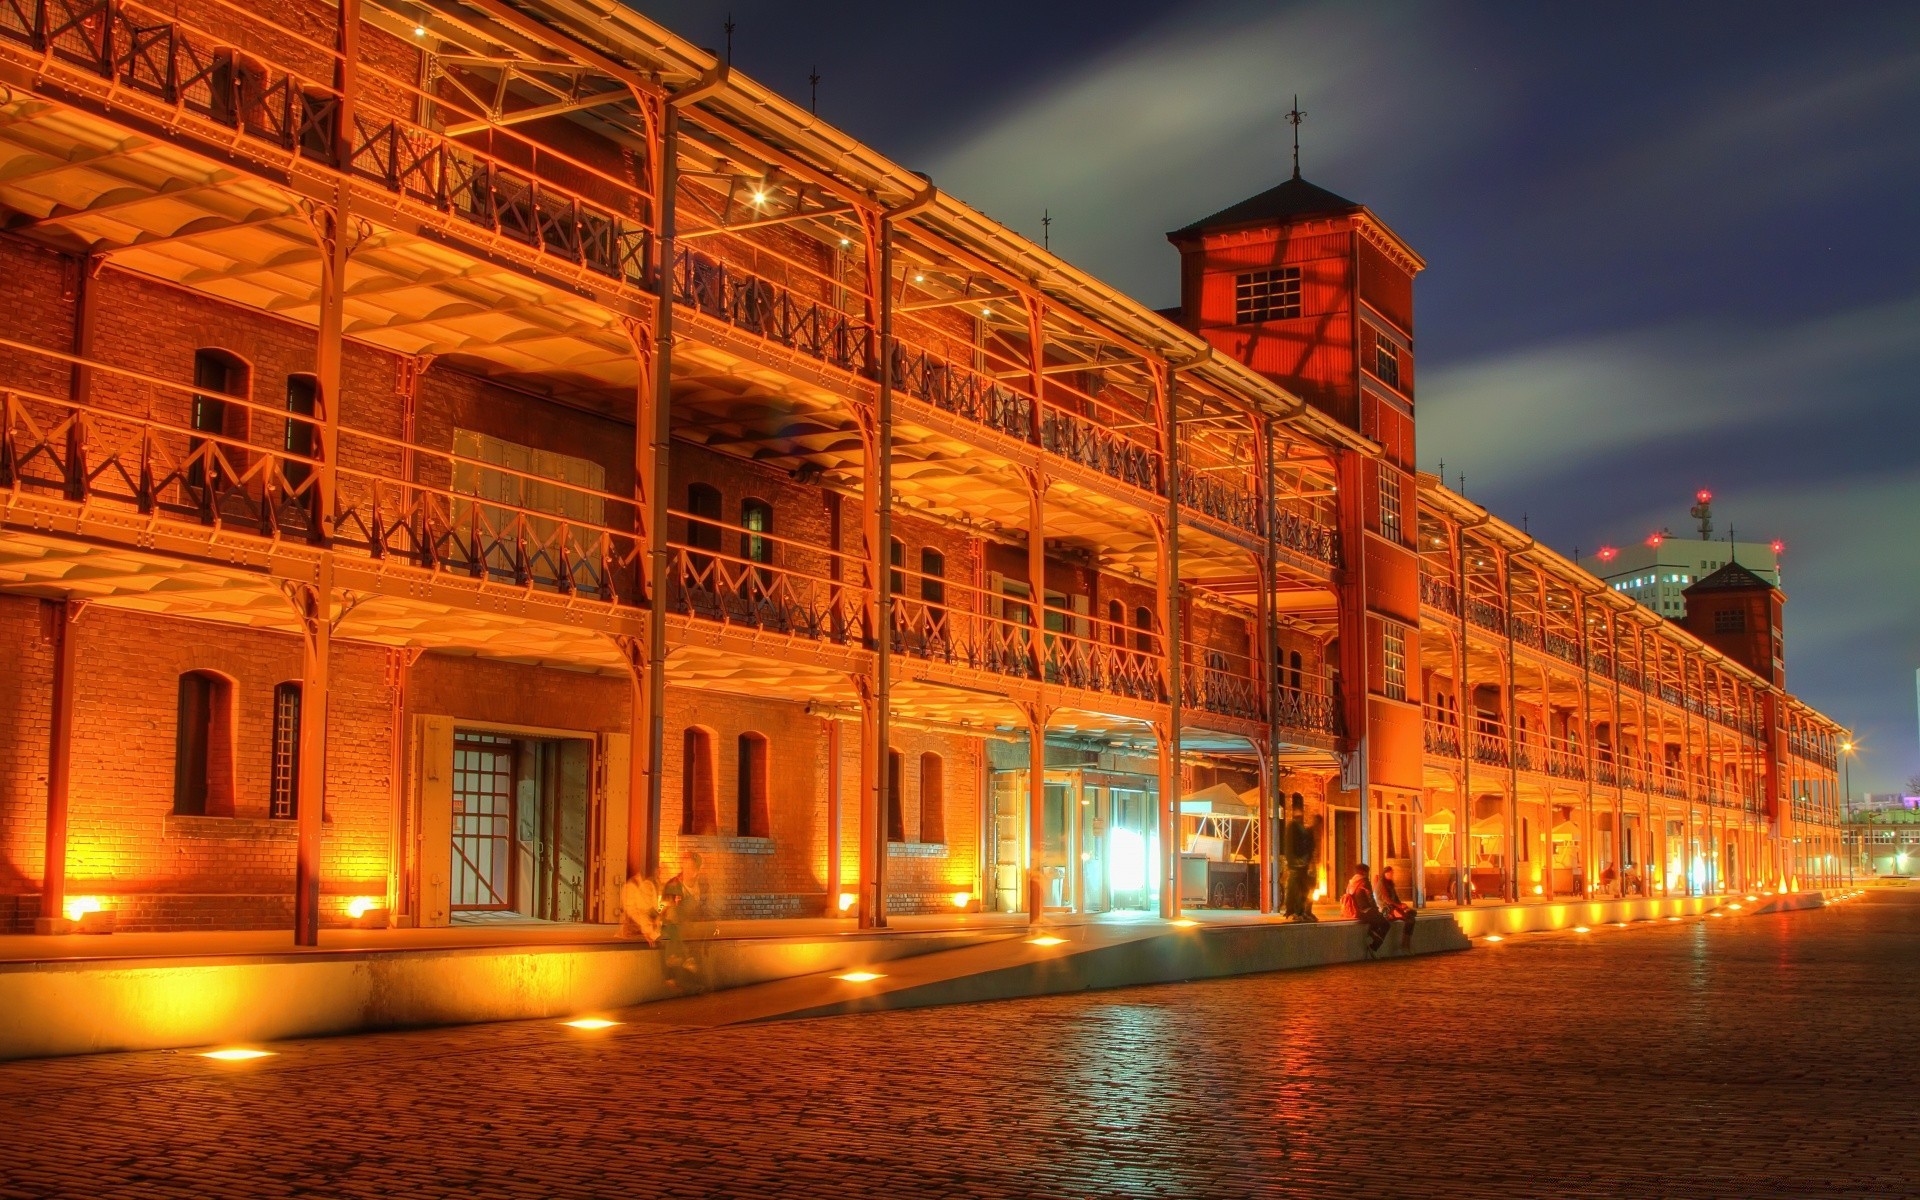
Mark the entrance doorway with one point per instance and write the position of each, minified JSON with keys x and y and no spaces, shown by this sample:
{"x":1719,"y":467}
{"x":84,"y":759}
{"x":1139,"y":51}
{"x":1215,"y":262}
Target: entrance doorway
{"x":520,"y":827}
{"x":1346,"y":848}
{"x":1099,"y":842}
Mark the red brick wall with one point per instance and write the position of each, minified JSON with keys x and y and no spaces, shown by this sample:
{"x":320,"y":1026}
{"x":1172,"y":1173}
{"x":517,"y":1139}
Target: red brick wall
{"x":157,"y":869}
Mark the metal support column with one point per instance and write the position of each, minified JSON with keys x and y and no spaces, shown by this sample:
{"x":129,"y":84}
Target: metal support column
{"x":58,"y":616}
{"x":314,"y":604}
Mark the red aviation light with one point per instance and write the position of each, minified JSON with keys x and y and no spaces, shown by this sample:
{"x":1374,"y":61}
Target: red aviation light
{"x":1654,"y":539}
{"x":1779,"y":547}
{"x":1703,"y":496}
{"x":1608,"y":554}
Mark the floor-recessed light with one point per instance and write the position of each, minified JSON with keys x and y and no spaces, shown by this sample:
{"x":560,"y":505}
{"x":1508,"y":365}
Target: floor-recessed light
{"x":236,"y":1054}
{"x":590,"y":1023}
{"x":1046,"y":939}
{"x":859,"y":976}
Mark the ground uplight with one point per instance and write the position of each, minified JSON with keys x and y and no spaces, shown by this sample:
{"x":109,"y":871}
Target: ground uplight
{"x":236,"y":1054}
{"x":1183,"y":923}
{"x":859,"y":976}
{"x":1493,"y":937}
{"x":1046,"y":939}
{"x":1581,"y":929}
{"x":590,"y":1023}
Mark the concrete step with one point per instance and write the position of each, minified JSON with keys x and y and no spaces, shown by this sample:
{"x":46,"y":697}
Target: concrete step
{"x":1050,"y":960}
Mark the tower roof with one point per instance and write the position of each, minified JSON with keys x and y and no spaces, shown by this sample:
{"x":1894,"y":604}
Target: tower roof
{"x":1294,"y":198}
{"x":1730,"y":578}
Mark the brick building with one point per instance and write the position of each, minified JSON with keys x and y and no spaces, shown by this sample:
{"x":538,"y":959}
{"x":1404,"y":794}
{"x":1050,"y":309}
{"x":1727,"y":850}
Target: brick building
{"x":460,"y":454}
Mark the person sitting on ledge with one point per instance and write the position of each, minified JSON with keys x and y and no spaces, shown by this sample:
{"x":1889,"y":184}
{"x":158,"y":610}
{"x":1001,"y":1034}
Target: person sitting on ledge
{"x":1359,"y":905}
{"x":1395,"y":909}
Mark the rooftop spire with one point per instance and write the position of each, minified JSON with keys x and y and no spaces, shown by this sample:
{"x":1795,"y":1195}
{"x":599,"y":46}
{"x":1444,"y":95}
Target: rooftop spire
{"x":1294,"y":117}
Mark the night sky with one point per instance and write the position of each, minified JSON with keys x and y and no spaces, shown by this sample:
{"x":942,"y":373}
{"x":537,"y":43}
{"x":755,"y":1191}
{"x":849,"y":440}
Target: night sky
{"x":1669,"y":246}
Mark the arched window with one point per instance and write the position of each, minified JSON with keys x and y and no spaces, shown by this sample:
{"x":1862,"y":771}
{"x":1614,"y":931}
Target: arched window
{"x":897,"y":555}
{"x":699,"y":810}
{"x":751,"y":818}
{"x":303,"y":394}
{"x":284,"y":778}
{"x":1143,"y":630}
{"x":203,"y":746}
{"x":756,"y":522}
{"x":933,"y":577}
{"x":217,"y":377}
{"x":896,"y":823}
{"x":1294,"y":678}
{"x":933,"y":798}
{"x":1116,"y":623}
{"x":703,"y":515}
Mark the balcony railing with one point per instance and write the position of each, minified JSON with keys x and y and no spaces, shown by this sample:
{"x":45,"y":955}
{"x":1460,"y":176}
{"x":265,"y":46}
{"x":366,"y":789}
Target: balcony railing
{"x":1309,"y":712}
{"x":1223,"y":682}
{"x":1564,"y":648}
{"x":1440,"y":594}
{"x":1441,"y":738}
{"x":1486,"y":616}
{"x":224,"y":80}
{"x":1489,"y":748}
{"x":1565,"y":760}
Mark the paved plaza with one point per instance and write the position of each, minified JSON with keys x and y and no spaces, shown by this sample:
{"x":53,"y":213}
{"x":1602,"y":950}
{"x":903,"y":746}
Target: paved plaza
{"x":1751,"y":1056}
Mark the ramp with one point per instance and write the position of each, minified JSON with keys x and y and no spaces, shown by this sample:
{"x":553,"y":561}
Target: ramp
{"x":1050,"y":960}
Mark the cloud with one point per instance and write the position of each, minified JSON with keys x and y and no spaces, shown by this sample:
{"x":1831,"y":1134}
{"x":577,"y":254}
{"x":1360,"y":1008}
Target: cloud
{"x":1188,"y":117}
{"x":1815,"y":129}
{"x":1534,"y":413}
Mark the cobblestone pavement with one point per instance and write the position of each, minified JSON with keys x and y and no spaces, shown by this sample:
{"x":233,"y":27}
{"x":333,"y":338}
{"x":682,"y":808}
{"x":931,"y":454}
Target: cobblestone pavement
{"x":1757,"y":1056}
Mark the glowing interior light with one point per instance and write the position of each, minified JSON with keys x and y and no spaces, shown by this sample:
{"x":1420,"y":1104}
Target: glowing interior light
{"x":759,"y":197}
{"x":236,"y":1054}
{"x":80,"y":906}
{"x":847,"y":900}
{"x":419,"y":31}
{"x":846,"y":241}
{"x":859,"y":976}
{"x":1127,"y":861}
{"x":919,"y":278}
{"x":1046,"y":939}
{"x":1538,"y":890}
{"x":961,"y":899}
{"x":360,"y":906}
{"x":590,"y":1023}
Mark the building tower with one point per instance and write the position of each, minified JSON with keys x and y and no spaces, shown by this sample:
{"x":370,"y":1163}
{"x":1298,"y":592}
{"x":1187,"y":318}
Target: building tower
{"x":1316,"y":293}
{"x":1739,"y":613}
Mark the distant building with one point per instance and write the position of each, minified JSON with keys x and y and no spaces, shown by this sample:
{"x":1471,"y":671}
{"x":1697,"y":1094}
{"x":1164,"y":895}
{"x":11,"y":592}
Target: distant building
{"x":1657,"y":571}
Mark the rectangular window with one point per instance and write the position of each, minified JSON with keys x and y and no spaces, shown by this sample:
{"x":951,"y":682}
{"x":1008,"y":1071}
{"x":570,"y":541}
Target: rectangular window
{"x":1730,"y":621}
{"x":1266,"y":296}
{"x":1390,"y":505}
{"x":1395,"y":662}
{"x":1386,"y":361}
{"x":284,"y":799}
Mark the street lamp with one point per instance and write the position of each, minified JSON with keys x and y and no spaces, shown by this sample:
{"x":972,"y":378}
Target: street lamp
{"x":1846,"y":776}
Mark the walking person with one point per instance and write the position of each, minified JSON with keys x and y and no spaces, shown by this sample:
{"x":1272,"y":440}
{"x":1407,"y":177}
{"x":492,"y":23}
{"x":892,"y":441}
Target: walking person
{"x":1300,"y":845}
{"x":1394,"y":908}
{"x":1358,"y":904}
